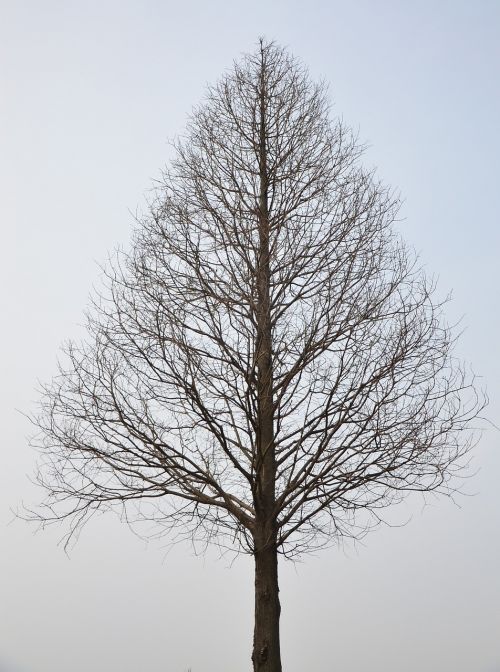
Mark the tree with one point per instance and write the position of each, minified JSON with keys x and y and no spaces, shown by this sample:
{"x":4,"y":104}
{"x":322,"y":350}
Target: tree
{"x":267,"y":367}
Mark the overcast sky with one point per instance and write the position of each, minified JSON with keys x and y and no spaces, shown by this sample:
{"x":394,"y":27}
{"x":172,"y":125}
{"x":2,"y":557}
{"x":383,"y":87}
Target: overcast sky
{"x":90,"y":93}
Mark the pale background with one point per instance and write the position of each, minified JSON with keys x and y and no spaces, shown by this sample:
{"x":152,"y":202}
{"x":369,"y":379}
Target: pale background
{"x":90,"y":92}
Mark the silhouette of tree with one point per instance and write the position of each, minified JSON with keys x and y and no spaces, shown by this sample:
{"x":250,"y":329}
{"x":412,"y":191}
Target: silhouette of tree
{"x":266,"y":368}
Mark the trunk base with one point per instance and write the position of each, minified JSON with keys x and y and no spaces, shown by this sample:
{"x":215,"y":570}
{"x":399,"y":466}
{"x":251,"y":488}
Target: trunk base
{"x":266,"y":656}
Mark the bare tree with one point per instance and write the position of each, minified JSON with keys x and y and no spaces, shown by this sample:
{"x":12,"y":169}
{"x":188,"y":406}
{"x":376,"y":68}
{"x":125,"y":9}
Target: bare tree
{"x":267,"y":367}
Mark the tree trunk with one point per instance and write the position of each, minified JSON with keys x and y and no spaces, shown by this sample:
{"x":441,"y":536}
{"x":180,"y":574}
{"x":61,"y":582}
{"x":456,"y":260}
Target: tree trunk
{"x":266,"y":644}
{"x":266,"y":655}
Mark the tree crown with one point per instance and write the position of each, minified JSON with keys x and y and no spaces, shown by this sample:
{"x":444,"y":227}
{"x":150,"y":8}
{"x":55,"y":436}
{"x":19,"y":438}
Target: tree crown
{"x":266,"y":284}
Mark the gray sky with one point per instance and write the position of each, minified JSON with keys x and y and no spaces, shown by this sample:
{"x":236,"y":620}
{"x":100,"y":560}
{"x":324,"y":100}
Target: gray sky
{"x":90,"y":92}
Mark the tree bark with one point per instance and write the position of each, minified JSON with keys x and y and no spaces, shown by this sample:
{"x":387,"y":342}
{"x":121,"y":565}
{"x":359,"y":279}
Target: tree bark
{"x":266,"y":654}
{"x":266,"y":645}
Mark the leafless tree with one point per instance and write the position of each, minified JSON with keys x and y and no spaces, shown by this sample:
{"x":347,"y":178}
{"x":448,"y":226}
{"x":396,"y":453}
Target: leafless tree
{"x":267,"y":367}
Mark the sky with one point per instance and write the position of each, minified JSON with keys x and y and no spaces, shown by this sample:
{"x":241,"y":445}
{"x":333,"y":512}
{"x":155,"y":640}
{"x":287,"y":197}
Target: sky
{"x":90,"y":94}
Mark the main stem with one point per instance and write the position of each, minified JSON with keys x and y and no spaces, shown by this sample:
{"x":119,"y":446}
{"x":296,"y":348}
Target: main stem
{"x":266,"y":654}
{"x":266,"y":643}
